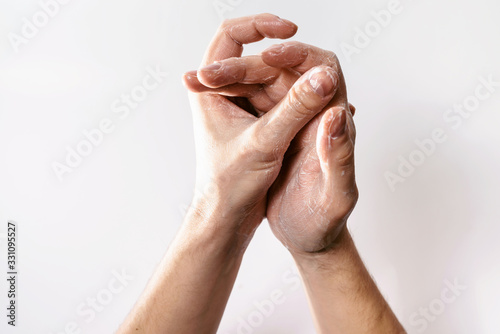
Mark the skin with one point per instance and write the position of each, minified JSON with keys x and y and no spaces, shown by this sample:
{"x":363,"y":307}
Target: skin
{"x":274,"y":138}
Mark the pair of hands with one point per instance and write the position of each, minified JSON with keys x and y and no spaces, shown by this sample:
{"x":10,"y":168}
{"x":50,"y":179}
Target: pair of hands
{"x":274,"y":136}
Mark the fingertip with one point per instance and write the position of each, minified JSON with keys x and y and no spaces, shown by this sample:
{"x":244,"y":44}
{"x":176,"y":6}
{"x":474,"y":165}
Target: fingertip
{"x":323,"y":80}
{"x":271,"y":55}
{"x":284,"y":21}
{"x":187,"y":77}
{"x":276,"y":27}
{"x":207,"y":80}
{"x":191,"y":81}
{"x":273,"y":51}
{"x":293,"y":28}
{"x":226,"y":72}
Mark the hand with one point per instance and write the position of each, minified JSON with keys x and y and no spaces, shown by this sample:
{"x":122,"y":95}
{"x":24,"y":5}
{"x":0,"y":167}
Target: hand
{"x":239,"y":155}
{"x":315,"y":191}
{"x":283,"y":129}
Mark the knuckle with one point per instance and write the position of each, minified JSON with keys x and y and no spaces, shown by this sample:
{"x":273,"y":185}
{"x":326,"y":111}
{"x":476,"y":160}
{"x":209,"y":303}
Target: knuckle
{"x":352,"y":201}
{"x":301,"y":102}
{"x":227,"y":27}
{"x":226,"y":24}
{"x":347,"y":204}
{"x":332,"y":56}
{"x":331,"y":60}
{"x":335,"y":63}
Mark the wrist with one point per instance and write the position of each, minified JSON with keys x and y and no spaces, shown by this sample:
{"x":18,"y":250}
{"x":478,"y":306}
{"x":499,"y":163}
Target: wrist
{"x":228,"y":195}
{"x":330,"y":258}
{"x":211,"y":219}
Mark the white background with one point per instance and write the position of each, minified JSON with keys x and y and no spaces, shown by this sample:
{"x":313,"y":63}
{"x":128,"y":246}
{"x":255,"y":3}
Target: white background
{"x":120,"y":208}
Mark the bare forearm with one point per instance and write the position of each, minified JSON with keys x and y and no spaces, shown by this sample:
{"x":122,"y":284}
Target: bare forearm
{"x":190,"y":288}
{"x":343,"y":296}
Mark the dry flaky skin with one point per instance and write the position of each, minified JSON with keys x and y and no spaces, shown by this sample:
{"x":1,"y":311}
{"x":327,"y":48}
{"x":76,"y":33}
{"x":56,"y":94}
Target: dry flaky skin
{"x":315,"y":190}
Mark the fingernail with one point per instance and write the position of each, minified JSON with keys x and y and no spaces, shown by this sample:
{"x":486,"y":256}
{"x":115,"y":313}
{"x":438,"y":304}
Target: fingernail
{"x":212,"y":67}
{"x":338,"y":125}
{"x":275,"y":50}
{"x":323,"y":81}
{"x":287,"y":22}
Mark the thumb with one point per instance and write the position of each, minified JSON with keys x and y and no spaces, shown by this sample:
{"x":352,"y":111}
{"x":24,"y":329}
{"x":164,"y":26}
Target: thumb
{"x":307,"y":98}
{"x":335,"y":149}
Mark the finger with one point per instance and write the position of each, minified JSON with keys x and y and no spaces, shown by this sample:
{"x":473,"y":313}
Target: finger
{"x":248,"y":77}
{"x":245,"y":70}
{"x":310,"y":94}
{"x":232,"y":34}
{"x":256,"y":94}
{"x":335,"y":149}
{"x":299,"y":56}
{"x":249,"y":70}
{"x":192,"y":82}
